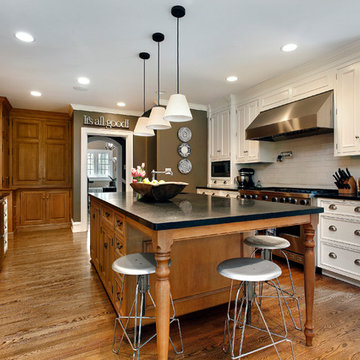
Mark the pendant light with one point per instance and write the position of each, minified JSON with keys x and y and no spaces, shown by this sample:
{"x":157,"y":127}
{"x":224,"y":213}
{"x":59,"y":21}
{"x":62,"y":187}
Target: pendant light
{"x":177,"y":109}
{"x":141,"y":125}
{"x":156,"y":118}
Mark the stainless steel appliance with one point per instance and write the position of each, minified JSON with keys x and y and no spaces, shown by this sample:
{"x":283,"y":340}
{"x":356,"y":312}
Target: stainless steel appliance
{"x":294,"y":234}
{"x":220,"y":169}
{"x":244,"y":179}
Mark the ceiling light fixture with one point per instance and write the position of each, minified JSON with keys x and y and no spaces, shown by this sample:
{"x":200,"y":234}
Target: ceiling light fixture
{"x":177,"y":109}
{"x":24,"y":36}
{"x":141,"y":125}
{"x":83,"y":80}
{"x":121,"y":104}
{"x":289,"y":47}
{"x":232,"y":78}
{"x":35,"y":93}
{"x":156,"y":118}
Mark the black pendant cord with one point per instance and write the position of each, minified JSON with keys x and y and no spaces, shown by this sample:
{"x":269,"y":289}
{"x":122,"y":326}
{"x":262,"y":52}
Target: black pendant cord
{"x":177,"y":56}
{"x":158,"y":73}
{"x":144,"y":86}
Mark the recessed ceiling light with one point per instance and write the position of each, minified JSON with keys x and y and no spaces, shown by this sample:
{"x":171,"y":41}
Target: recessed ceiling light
{"x":121,"y":104}
{"x":289,"y":47}
{"x":232,"y":78}
{"x":35,"y":93}
{"x":83,"y":80}
{"x":24,"y":36}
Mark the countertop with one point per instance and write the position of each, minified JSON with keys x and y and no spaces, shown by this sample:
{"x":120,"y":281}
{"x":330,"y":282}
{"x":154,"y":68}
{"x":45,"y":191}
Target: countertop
{"x":217,"y":188}
{"x":189,"y":210}
{"x":335,"y":195}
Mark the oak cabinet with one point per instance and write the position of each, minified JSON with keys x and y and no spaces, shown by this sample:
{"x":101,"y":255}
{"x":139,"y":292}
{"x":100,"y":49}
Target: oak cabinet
{"x":39,"y":207}
{"x":220,"y":134}
{"x":41,"y":149}
{"x":5,"y":108}
{"x":95,"y":235}
{"x":347,"y":125}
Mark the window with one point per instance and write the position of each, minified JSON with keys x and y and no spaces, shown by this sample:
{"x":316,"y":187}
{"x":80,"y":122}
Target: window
{"x":99,"y":164}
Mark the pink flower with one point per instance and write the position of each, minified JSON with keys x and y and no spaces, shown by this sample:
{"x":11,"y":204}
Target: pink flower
{"x":143,"y":165}
{"x":133,"y":172}
{"x":138,"y":167}
{"x":143,"y":173}
{"x":134,"y":181}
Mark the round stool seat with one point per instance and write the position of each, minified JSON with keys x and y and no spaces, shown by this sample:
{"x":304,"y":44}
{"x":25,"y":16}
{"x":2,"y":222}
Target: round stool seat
{"x":267,"y":242}
{"x":249,"y":269}
{"x":135,"y":264}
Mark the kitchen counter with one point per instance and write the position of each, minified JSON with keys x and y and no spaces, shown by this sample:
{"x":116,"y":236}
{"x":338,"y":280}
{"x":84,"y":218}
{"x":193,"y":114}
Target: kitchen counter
{"x":199,"y":232}
{"x":217,"y":188}
{"x":336,"y":195}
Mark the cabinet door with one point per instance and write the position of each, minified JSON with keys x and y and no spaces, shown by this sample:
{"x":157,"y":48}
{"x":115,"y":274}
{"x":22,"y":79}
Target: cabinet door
{"x":32,"y":208}
{"x":241,"y":144}
{"x":107,"y":256}
{"x":5,"y":120}
{"x":27,"y":166}
{"x":225,"y":134}
{"x":348,"y":110}
{"x":95,"y":235}
{"x":58,"y":206}
{"x":56,"y":153}
{"x":252,"y":111}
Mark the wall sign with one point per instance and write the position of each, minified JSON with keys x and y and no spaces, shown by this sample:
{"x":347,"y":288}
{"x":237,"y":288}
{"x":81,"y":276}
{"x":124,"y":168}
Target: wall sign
{"x":108,"y":124}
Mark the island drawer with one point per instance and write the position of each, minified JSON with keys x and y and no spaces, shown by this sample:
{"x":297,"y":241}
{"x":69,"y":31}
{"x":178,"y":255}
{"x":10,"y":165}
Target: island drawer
{"x":108,"y":216}
{"x":340,"y":230}
{"x":344,"y":207}
{"x":119,"y":223}
{"x":340,"y":260}
{"x":119,"y":246}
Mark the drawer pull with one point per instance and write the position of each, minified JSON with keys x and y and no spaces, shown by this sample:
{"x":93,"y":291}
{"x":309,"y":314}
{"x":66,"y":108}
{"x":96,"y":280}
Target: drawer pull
{"x":119,"y":223}
{"x":357,"y":232}
{"x":332,"y":255}
{"x":93,"y":216}
{"x":119,"y":246}
{"x":357,"y":262}
{"x":213,"y":194}
{"x":227,"y":195}
{"x":332,"y":207}
{"x":105,"y":245}
{"x":357,"y":209}
{"x":332,"y":228}
{"x":107,"y":214}
{"x":238,"y":197}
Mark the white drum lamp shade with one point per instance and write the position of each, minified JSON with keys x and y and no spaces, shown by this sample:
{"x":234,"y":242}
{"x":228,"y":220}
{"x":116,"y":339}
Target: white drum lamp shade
{"x":156,"y":119}
{"x":141,"y":128}
{"x":177,"y":109}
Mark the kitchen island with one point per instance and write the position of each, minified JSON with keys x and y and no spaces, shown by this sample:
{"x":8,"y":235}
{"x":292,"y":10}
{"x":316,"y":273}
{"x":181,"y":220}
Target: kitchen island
{"x":126,"y":223}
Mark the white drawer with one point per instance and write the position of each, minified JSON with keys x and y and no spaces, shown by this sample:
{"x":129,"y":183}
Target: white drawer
{"x":339,"y":230}
{"x":343,"y":207}
{"x":219,"y":182}
{"x":338,"y":260}
{"x":230,"y":194}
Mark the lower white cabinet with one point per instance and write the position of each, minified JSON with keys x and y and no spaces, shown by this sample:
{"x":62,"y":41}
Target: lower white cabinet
{"x":338,"y":250}
{"x":217,"y":192}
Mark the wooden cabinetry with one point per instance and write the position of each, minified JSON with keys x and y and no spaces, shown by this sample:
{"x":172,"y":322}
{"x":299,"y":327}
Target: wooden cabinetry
{"x":338,"y":250}
{"x":220,"y":135}
{"x":250,"y":151}
{"x":347,"y":125}
{"x":39,"y":207}
{"x":5,"y":108}
{"x":41,"y":149}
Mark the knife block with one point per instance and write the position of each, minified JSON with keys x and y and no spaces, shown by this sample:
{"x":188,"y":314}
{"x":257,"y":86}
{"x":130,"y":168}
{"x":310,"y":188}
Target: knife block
{"x":352,"y":189}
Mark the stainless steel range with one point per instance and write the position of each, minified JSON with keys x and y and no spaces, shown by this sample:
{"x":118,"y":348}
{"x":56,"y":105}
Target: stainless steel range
{"x":294,"y":234}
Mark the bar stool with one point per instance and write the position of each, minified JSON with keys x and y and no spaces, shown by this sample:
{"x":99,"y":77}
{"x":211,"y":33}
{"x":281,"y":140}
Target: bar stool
{"x":267,"y":244}
{"x":250,"y":271}
{"x":140,"y":265}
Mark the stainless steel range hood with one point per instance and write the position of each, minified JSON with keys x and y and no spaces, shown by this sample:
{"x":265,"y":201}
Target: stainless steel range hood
{"x":310,"y":116}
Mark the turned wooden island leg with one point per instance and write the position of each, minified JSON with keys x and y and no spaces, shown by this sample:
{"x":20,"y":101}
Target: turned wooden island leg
{"x":309,"y":282}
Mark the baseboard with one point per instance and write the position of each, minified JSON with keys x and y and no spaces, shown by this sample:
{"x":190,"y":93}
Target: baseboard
{"x":341,"y":277}
{"x":27,"y":228}
{"x":77,"y":226}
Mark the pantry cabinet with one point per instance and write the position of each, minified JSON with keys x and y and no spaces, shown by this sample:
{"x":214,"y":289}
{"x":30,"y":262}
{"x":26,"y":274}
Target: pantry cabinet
{"x":5,"y":108}
{"x":250,"y":151}
{"x":347,"y":125}
{"x":220,"y":135}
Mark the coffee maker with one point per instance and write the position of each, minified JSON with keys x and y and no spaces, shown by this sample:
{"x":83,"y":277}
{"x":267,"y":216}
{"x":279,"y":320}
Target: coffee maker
{"x":244,"y":179}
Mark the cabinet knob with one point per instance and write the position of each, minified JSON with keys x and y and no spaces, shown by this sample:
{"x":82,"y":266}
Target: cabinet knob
{"x":246,"y":151}
{"x":105,"y":245}
{"x":93,"y":216}
{"x":357,"y":262}
{"x":119,"y":223}
{"x":357,"y":137}
{"x":107,"y":214}
{"x":238,"y":197}
{"x":119,"y":246}
{"x":332,"y":228}
{"x":357,"y":232}
{"x":213,"y":194}
{"x":332,"y":255}
{"x":334,"y":207}
{"x":357,"y":209}
{"x":227,"y":195}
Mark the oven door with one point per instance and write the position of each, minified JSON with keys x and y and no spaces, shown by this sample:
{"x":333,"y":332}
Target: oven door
{"x":220,"y":169}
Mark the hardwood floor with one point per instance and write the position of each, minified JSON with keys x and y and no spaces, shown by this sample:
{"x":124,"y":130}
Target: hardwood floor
{"x":53,"y":306}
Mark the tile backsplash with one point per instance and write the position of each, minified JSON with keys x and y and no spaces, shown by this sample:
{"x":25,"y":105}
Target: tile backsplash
{"x":312,"y":164}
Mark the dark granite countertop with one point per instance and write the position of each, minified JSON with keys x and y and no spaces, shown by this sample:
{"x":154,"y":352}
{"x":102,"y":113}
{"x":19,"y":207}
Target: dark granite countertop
{"x":336,"y":195}
{"x":188,"y":210}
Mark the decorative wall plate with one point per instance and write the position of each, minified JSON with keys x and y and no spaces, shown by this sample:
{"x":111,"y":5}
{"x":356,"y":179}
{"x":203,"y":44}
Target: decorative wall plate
{"x":184,"y":134}
{"x":184,"y":150}
{"x":184,"y":166}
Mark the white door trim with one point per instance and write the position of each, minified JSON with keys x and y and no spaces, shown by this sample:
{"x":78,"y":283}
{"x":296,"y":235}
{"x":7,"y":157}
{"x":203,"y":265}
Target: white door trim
{"x":85,"y":132}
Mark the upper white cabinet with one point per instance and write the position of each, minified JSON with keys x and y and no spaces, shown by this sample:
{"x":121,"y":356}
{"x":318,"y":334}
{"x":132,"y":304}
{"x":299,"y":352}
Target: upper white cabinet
{"x":220,"y":132}
{"x":347,"y":125}
{"x":250,"y":151}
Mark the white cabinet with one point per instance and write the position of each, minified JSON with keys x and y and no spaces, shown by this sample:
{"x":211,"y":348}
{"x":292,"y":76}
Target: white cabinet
{"x":233,"y":194}
{"x":250,"y":151}
{"x":347,"y":125}
{"x":220,"y":133}
{"x":338,"y":248}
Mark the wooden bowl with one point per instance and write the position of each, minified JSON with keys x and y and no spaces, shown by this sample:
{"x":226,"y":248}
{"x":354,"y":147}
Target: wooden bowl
{"x":158,"y":192}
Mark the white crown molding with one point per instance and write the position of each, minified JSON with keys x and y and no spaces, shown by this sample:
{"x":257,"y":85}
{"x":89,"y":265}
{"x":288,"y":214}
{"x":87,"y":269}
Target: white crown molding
{"x":100,"y":109}
{"x":201,"y":107}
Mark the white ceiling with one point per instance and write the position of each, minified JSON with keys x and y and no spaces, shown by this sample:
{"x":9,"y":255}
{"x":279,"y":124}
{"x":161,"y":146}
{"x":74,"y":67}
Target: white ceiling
{"x":102,"y":39}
